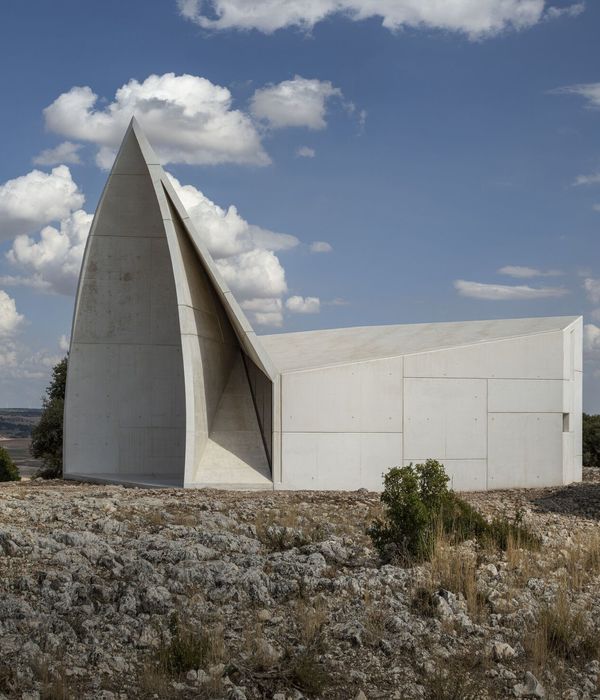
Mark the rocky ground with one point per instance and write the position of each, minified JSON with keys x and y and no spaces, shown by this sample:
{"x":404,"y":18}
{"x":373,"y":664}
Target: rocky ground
{"x":108,"y":592}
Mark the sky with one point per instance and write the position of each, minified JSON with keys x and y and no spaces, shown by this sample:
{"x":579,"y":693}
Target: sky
{"x":349,"y":162}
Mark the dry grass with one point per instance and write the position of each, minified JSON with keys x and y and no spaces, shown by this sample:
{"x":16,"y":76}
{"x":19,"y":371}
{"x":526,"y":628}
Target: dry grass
{"x":8,"y":679}
{"x":582,"y":559}
{"x":375,"y":619}
{"x":190,"y":648}
{"x":562,"y":633}
{"x":152,"y":681}
{"x":310,"y":620}
{"x":462,"y":679}
{"x":54,"y":684}
{"x":258,"y":653}
{"x":455,"y":569}
{"x":281,"y":529}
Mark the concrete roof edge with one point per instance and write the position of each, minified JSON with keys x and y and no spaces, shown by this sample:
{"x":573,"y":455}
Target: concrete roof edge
{"x":567,"y":319}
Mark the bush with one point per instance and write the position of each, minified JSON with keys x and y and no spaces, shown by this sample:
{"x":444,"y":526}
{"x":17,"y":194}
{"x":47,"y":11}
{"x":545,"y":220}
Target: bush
{"x":591,"y":440}
{"x":419,"y":507}
{"x":8,"y":469}
{"x":47,"y":436}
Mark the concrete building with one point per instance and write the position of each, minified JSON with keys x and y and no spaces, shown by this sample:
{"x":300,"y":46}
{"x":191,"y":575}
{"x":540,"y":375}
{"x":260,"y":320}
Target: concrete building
{"x":168,"y":384}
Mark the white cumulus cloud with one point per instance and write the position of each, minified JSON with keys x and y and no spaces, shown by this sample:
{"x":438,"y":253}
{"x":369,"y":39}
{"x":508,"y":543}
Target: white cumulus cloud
{"x":300,"y":102}
{"x":320,"y":247}
{"x":66,"y":152}
{"x":10,"y":318}
{"x":266,"y":312}
{"x":521,"y":272}
{"x":52,"y":261}
{"x":592,"y":289}
{"x":64,"y":342}
{"x":593,"y":179}
{"x":573,"y":10}
{"x":475,"y":18}
{"x":187,"y":119}
{"x":37,"y":198}
{"x":305,"y":152}
{"x":591,"y":338}
{"x":224,"y":231}
{"x":506,"y":292}
{"x":303,"y":305}
{"x":589,"y":91}
{"x":245,"y":254}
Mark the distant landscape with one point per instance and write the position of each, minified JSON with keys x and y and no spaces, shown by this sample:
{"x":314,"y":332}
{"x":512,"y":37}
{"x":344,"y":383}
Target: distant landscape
{"x":16,"y":425}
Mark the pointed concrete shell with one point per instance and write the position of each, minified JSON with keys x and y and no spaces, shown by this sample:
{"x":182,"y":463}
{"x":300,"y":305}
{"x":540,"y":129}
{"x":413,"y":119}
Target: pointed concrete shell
{"x":157,"y":389}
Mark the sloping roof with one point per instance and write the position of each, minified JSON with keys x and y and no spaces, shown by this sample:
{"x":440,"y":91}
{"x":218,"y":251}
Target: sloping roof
{"x":312,"y":349}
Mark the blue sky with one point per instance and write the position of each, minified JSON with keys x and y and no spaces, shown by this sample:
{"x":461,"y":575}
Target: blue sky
{"x":429,"y":149}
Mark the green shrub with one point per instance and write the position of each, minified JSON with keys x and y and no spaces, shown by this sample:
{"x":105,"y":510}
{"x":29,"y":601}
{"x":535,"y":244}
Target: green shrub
{"x":47,"y":436}
{"x":591,"y":440}
{"x":419,"y":506}
{"x":8,"y":469}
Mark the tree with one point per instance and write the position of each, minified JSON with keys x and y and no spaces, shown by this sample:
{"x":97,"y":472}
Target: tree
{"x":8,"y":469}
{"x":47,"y":436}
{"x":591,"y":440}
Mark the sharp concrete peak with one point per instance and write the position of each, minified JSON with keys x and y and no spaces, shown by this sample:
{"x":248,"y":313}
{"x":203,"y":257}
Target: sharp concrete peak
{"x":135,"y":154}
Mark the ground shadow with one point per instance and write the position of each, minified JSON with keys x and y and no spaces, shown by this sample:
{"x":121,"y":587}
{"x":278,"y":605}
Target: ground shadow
{"x":582,"y":500}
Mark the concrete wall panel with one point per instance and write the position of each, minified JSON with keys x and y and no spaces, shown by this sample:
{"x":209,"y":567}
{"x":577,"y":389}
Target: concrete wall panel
{"x":525,"y":450}
{"x":529,"y":357}
{"x":445,"y":419}
{"x":526,"y":395}
{"x":330,"y":461}
{"x":362,"y":397}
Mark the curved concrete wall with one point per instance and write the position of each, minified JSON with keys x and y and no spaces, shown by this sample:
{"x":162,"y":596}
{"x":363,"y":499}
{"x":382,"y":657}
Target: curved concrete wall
{"x":126,"y":330}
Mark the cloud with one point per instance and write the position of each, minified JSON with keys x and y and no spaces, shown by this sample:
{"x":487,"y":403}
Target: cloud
{"x":591,"y":338}
{"x":596,"y":207}
{"x":187,"y":118}
{"x":257,"y":273}
{"x":35,"y":199}
{"x":592,"y":289}
{"x":64,"y":343}
{"x":66,"y":152}
{"x":243,"y":252}
{"x":224,"y":231}
{"x":475,"y":18}
{"x":305,"y":152}
{"x":569,"y":11}
{"x":593,"y":179}
{"x":520,"y":272}
{"x":17,"y":361}
{"x":52,"y":261}
{"x":320,"y":247}
{"x":266,"y":312}
{"x":589,"y":91}
{"x":303,"y":305}
{"x":300,"y":102}
{"x":504,"y":292}
{"x":10,"y":318}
